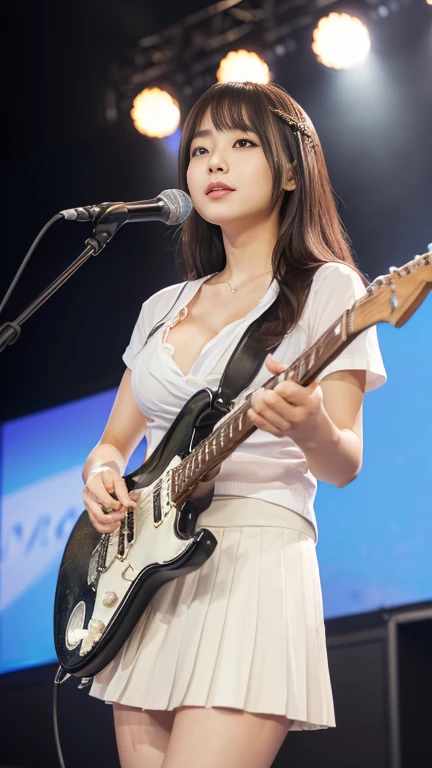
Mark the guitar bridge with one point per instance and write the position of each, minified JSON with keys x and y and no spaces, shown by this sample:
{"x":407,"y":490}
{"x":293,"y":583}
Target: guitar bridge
{"x":98,"y":562}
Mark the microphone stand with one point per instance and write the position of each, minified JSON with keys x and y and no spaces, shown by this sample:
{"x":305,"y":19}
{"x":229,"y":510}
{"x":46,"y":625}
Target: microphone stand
{"x":106,"y":225}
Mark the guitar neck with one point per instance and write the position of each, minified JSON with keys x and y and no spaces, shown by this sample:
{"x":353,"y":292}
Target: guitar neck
{"x":234,"y":428}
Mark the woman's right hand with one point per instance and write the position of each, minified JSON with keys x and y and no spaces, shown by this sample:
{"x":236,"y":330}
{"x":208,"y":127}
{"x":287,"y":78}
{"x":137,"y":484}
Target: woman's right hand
{"x":101,"y":483}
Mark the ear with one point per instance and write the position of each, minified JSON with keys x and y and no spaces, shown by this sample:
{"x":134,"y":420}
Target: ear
{"x":289,"y":181}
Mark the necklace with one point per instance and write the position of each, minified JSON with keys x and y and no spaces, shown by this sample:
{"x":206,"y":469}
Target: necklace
{"x":234,"y":290}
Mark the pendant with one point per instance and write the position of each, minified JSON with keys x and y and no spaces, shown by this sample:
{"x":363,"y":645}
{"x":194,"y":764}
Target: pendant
{"x":233,"y":290}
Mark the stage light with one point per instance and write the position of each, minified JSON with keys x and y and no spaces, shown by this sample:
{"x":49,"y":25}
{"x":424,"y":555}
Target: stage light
{"x":340,"y":41}
{"x":155,"y":113}
{"x":239,"y":66}
{"x":429,"y":2}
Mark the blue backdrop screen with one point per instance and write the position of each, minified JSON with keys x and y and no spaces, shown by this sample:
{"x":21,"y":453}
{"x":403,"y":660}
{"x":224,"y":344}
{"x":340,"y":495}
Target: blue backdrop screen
{"x":375,"y":534}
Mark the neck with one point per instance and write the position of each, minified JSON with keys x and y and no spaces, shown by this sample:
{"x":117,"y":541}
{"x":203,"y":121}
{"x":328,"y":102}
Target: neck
{"x":249,"y":251}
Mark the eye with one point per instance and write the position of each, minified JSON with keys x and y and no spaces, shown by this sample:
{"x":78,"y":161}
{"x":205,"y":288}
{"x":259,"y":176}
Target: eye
{"x":196,"y":152}
{"x":247,"y":141}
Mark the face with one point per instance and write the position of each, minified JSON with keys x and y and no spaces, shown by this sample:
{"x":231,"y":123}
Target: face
{"x":234,"y":159}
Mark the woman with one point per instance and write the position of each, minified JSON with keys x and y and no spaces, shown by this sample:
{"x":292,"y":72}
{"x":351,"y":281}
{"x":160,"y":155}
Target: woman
{"x":228,"y":659}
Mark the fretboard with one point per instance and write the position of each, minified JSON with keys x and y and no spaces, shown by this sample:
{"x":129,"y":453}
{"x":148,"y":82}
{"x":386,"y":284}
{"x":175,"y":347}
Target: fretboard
{"x":234,"y":428}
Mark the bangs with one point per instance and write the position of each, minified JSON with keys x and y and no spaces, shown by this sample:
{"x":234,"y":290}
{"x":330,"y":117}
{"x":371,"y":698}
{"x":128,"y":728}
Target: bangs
{"x":232,"y":110}
{"x":234,"y":107}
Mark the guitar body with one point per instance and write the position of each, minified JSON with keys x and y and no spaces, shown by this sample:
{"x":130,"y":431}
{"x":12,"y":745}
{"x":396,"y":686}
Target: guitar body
{"x":106,"y":582}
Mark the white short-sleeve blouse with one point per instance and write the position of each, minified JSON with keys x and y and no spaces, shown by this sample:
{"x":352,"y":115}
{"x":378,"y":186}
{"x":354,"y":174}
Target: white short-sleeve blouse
{"x":264,"y":466}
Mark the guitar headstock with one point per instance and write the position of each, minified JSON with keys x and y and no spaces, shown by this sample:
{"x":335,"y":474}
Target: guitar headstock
{"x":393,"y":298}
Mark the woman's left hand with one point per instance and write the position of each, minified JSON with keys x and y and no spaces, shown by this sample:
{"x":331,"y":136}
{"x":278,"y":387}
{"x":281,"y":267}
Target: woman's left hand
{"x":289,"y":408}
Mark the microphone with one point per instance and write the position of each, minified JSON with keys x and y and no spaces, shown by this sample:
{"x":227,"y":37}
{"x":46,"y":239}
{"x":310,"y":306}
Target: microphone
{"x":172,"y":206}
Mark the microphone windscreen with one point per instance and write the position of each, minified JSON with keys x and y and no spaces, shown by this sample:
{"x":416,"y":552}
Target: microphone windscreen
{"x":179,"y":204}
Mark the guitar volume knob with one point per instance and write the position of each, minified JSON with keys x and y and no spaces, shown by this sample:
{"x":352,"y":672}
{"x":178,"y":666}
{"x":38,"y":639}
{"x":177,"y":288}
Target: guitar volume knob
{"x":109,"y":599}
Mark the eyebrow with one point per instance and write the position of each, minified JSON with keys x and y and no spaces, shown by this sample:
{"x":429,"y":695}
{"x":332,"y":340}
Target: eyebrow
{"x":202,"y":134}
{"x":205,"y":132}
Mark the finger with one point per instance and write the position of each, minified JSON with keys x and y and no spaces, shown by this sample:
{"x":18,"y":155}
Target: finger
{"x":102,"y":517}
{"x":99,"y":527}
{"x":270,"y":400}
{"x":117,"y":513}
{"x":98,"y":510}
{"x":273,"y":365}
{"x":122,"y":493}
{"x":102,"y":527}
{"x":97,"y":488}
{"x":261,"y":423}
{"x":294,"y":393}
{"x":272,"y":418}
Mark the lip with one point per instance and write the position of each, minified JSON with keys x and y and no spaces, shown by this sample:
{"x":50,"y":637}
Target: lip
{"x":215,"y":184}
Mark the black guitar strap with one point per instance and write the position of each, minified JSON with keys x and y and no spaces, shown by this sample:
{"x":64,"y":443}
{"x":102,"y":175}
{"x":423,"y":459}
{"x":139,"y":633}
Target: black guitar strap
{"x":240,"y":370}
{"x":243,"y":364}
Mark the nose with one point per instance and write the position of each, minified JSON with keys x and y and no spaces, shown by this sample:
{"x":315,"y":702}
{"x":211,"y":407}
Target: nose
{"x":217,"y":163}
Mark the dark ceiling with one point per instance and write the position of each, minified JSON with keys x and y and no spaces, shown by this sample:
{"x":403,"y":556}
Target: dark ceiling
{"x":58,"y":54}
{"x":60,"y":152}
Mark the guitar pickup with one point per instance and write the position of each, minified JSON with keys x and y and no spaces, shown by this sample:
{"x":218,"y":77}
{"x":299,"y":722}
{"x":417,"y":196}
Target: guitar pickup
{"x":126,"y":534}
{"x":157,"y":507}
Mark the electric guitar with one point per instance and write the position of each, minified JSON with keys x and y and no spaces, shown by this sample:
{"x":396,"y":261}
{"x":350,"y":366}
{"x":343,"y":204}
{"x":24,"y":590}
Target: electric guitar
{"x":106,"y":581}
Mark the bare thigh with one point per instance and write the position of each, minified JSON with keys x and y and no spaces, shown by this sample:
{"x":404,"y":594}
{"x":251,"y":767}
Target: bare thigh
{"x":211,"y":738}
{"x":142,"y":737}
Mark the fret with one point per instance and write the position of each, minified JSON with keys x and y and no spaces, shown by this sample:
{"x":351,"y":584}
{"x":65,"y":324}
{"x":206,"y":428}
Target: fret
{"x":184,"y":477}
{"x":301,"y":368}
{"x":199,"y":457}
{"x":318,"y":349}
{"x":231,"y":425}
{"x":176,"y":474}
{"x":240,"y":421}
{"x":294,"y":371}
{"x":206,"y":450}
{"x":324,"y":340}
{"x":214,"y":446}
{"x":222,"y":435}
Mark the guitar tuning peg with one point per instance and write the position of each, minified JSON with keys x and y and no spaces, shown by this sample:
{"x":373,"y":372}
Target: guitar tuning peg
{"x":393,"y":269}
{"x":430,"y":247}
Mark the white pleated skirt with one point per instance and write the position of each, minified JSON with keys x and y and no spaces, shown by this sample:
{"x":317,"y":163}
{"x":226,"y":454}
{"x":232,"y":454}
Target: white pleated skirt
{"x":245,"y":631}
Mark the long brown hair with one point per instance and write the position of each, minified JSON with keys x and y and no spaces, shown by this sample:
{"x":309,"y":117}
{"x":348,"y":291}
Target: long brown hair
{"x":310,"y":230}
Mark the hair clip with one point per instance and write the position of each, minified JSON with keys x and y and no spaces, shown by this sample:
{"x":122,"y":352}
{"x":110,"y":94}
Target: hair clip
{"x":298,"y":126}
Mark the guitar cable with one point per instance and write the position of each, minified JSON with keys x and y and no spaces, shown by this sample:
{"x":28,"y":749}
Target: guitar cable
{"x":58,"y":680}
{"x":60,"y":677}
